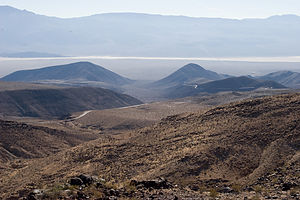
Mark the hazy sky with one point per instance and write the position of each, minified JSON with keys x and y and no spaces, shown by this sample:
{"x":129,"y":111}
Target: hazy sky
{"x":195,"y":8}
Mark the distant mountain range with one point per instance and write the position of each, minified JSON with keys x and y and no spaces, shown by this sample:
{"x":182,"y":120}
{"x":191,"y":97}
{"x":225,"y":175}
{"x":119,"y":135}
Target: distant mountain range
{"x":287,"y":78}
{"x":240,"y":84}
{"x":193,"y":79}
{"x":132,"y":34}
{"x":189,"y":80}
{"x":74,"y":72}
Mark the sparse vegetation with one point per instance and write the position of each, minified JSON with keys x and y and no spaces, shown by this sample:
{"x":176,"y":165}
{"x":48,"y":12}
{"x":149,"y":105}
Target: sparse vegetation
{"x":239,"y":141}
{"x":129,"y":187}
{"x":94,"y":192}
{"x":237,"y":188}
{"x":256,"y":197}
{"x":213,"y":193}
{"x":258,"y":189}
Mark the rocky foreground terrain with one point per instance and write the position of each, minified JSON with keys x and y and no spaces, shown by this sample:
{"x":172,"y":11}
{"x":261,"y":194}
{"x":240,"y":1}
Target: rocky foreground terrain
{"x":243,"y":150}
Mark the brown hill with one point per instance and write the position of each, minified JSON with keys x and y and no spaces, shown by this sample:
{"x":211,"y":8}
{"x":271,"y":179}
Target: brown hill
{"x":118,"y":120}
{"x":20,"y":140}
{"x":237,"y":143}
{"x":74,"y":71}
{"x":60,"y":102}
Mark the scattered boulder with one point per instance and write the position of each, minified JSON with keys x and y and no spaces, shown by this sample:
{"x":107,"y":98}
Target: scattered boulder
{"x":225,"y":190}
{"x":287,"y":186}
{"x":76,"y":181}
{"x":86,"y":180}
{"x":159,"y":183}
{"x":83,"y":180}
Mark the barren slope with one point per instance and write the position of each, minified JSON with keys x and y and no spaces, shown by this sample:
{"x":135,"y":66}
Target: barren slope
{"x":20,"y":140}
{"x":239,"y":142}
{"x":60,"y":102}
{"x":118,"y":120}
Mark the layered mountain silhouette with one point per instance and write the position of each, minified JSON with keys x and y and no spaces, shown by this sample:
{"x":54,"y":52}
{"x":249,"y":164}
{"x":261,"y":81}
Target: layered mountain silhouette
{"x":189,"y":74}
{"x":242,"y":83}
{"x":287,"y":78}
{"x":192,"y":79}
{"x":59,"y":103}
{"x":80,"y":71}
{"x":148,"y":35}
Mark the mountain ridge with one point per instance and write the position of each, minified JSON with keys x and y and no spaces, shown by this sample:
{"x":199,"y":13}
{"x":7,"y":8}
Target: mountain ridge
{"x":75,"y":71}
{"x":190,"y":73}
{"x":14,"y":9}
{"x":242,"y":83}
{"x":287,"y":78}
{"x":206,"y":37}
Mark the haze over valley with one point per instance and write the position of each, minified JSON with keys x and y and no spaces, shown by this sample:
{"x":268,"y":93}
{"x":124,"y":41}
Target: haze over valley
{"x":148,"y":35}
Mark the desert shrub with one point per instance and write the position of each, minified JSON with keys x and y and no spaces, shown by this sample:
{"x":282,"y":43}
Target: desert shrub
{"x":54,"y":192}
{"x":111,"y":185}
{"x":128,"y":198}
{"x":94,"y":192}
{"x":129,"y":187}
{"x":237,"y":188}
{"x":257,"y":189}
{"x":213,"y":193}
{"x":256,"y":197}
{"x":275,"y":180}
{"x":202,"y":189}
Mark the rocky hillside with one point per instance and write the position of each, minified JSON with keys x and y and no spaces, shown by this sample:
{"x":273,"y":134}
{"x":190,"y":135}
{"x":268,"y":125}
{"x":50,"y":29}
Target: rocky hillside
{"x":20,"y":140}
{"x":60,"y":102}
{"x":249,"y":148}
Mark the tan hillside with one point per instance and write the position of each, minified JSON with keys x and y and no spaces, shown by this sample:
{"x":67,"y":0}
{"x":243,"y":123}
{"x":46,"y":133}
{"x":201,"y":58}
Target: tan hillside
{"x":118,"y":120}
{"x":20,"y":140}
{"x":240,"y":142}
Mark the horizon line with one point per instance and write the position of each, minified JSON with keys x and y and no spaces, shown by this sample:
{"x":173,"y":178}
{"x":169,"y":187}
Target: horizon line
{"x":156,"y":14}
{"x":233,"y":59}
